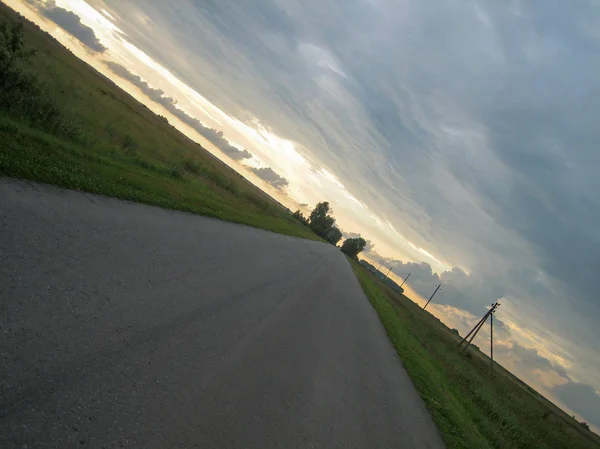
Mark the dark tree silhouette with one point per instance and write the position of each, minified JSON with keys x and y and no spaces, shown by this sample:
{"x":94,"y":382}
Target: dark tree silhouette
{"x":320,"y":221}
{"x":334,"y":235}
{"x":298,"y":215}
{"x":12,"y":47}
{"x":351,"y":247}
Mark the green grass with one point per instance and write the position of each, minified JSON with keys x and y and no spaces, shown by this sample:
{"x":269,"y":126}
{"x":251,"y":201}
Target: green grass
{"x":470,"y":408}
{"x":72,"y":127}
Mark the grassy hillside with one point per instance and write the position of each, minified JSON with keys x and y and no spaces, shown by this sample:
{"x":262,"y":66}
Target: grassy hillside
{"x":471,"y":408}
{"x":66,"y":124}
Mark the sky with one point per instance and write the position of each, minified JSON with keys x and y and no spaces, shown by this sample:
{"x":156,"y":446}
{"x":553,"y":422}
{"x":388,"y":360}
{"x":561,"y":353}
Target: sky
{"x":459,"y":138}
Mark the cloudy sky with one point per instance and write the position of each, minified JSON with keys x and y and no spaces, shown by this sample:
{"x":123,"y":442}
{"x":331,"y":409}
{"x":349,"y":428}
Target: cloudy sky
{"x":458,"y":137}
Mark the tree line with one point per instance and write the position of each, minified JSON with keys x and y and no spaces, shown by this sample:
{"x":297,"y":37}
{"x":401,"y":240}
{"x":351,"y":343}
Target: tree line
{"x":322,"y":223}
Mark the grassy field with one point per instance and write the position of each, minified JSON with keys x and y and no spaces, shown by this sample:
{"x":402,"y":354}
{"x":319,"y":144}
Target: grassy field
{"x":72,"y":127}
{"x":470,"y":408}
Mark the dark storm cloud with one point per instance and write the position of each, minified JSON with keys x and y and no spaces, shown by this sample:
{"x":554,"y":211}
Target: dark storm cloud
{"x":543,"y":130}
{"x":269,"y":175}
{"x":460,"y":290}
{"x":533,"y":360}
{"x":158,"y":96}
{"x":217,"y":138}
{"x":582,"y":398}
{"x":71,"y":23}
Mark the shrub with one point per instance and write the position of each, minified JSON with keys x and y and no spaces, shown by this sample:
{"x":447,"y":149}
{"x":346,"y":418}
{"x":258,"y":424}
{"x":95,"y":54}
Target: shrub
{"x":175,"y":173}
{"x":191,"y":166}
{"x":21,"y":95}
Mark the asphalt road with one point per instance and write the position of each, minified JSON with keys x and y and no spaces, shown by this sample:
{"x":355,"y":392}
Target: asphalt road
{"x":124,"y":325}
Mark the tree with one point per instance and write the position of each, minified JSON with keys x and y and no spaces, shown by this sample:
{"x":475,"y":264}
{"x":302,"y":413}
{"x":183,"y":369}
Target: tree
{"x":300,"y":217}
{"x":12,"y":47}
{"x":334,"y":235}
{"x":351,"y":247}
{"x":320,"y":221}
{"x":584,"y":425}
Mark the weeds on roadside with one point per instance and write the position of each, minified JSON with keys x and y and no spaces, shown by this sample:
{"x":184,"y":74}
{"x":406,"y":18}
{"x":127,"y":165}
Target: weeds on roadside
{"x":21,"y":95}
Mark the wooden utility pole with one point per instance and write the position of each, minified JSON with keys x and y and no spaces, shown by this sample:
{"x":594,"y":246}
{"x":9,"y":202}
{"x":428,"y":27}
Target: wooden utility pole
{"x":431,"y":297}
{"x":407,"y":276}
{"x":386,"y":275}
{"x":478,"y":327}
{"x":475,"y":333}
{"x":492,"y":343}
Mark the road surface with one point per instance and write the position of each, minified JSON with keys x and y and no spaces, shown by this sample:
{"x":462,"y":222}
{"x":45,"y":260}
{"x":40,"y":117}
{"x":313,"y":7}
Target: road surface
{"x":124,"y":325}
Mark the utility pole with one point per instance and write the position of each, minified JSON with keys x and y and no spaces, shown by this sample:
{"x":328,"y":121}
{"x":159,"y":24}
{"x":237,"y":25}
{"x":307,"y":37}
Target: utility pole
{"x":386,"y":275}
{"x":430,"y":298}
{"x":478,"y":327}
{"x":407,"y":276}
{"x":492,"y":344}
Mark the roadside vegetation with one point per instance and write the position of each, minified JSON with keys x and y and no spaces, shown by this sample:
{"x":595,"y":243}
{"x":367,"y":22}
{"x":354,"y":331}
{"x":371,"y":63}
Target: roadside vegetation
{"x":471,"y":408}
{"x":322,"y":223}
{"x":63,"y":123}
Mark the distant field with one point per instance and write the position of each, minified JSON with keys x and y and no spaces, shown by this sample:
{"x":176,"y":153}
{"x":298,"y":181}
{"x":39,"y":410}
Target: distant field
{"x":471,"y":409}
{"x":76,"y":129}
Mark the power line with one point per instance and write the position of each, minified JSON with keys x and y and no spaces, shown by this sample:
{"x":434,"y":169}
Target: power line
{"x":431,"y":297}
{"x":477,"y":328}
{"x":386,"y":275}
{"x":407,"y":276}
